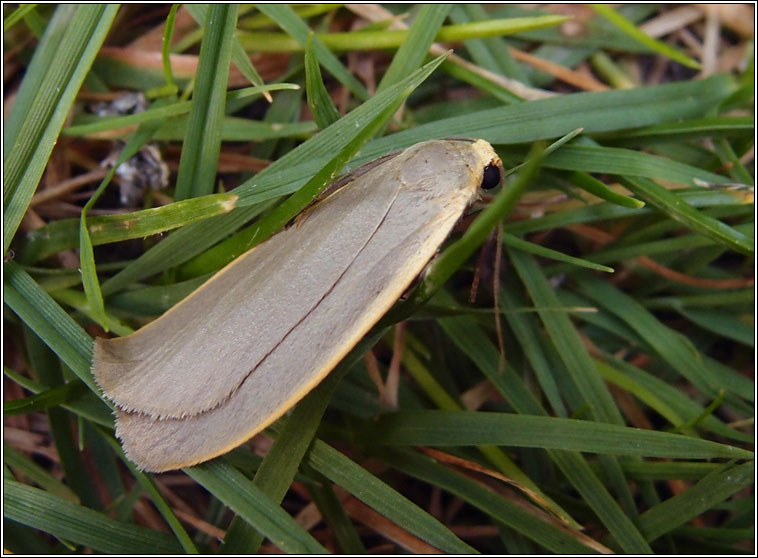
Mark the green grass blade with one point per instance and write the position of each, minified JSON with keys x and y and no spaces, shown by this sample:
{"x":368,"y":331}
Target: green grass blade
{"x":599,"y":189}
{"x":694,"y":128}
{"x":500,"y":509}
{"x":566,"y":340}
{"x":614,"y":160}
{"x":24,"y":164}
{"x":50,"y":398}
{"x":684,"y":213}
{"x":537,"y":250}
{"x":89,"y":406}
{"x":36,"y":474}
{"x":202,"y":144}
{"x":723,"y":324}
{"x":81,"y":525}
{"x":239,"y":56}
{"x":49,"y":321}
{"x":321,"y":105}
{"x":384,"y":499}
{"x":64,"y":234}
{"x":674,"y":348}
{"x":247,"y":500}
{"x":17,"y":15}
{"x":630,"y":29}
{"x":165,"y":112}
{"x":705,"y":495}
{"x":555,"y":117}
{"x":372,"y":39}
{"x":36,"y":72}
{"x":465,"y":428}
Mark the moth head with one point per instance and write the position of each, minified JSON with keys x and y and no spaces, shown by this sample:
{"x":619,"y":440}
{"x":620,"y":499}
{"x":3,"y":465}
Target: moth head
{"x":490,"y":164}
{"x":491,"y":175}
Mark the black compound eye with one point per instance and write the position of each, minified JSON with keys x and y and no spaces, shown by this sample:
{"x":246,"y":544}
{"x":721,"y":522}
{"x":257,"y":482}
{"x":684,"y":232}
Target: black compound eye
{"x":490,"y":177}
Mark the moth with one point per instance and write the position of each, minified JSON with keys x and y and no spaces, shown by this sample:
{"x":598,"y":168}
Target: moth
{"x":243,"y":348}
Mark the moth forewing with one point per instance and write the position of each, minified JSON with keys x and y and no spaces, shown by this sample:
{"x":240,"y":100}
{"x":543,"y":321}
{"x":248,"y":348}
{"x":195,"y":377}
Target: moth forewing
{"x":245,"y":347}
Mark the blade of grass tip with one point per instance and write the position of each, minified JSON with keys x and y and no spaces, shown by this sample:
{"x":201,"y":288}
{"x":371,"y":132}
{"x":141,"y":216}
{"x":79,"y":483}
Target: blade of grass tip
{"x":105,"y":229}
{"x":41,"y":126}
{"x":597,"y":188}
{"x":239,"y":56}
{"x":286,"y":18}
{"x":679,"y":210}
{"x":532,"y":248}
{"x":202,"y":142}
{"x":295,"y":166}
{"x":321,"y":105}
{"x":170,"y":88}
{"x":609,"y":13}
{"x":452,"y":258}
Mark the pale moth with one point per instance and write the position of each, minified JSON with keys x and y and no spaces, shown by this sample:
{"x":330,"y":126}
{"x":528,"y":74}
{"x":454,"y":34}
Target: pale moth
{"x":247,"y":345}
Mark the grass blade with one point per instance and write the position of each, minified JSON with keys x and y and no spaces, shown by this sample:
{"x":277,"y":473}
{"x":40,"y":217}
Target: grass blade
{"x":80,"y":525}
{"x":202,"y":144}
{"x":247,"y":500}
{"x":73,"y":50}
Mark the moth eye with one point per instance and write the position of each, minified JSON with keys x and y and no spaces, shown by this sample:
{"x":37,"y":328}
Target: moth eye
{"x":490,"y":177}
